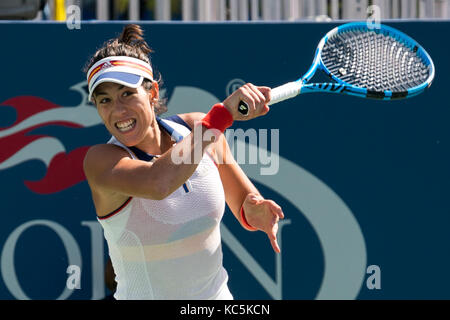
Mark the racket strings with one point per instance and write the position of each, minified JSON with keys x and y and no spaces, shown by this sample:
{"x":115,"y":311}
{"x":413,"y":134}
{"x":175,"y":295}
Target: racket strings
{"x":375,"y":61}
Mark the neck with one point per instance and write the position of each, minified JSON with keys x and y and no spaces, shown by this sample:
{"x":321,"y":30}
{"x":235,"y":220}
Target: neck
{"x":157,"y":140}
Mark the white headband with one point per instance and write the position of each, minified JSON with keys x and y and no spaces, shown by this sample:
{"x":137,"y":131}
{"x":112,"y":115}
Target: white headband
{"x":123,"y":70}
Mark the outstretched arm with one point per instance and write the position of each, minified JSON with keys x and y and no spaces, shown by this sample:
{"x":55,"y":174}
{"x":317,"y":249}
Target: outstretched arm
{"x":243,"y":198}
{"x":110,"y":171}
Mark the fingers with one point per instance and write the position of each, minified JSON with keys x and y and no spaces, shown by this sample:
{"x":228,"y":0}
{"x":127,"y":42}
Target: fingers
{"x":276,"y":209}
{"x":255,"y":97}
{"x":266,"y":91}
{"x":275,"y":246}
{"x":260,"y":98}
{"x":256,"y":94}
{"x":272,"y":234}
{"x":273,"y":230}
{"x":264,"y":214}
{"x":273,"y":238}
{"x":264,"y":96}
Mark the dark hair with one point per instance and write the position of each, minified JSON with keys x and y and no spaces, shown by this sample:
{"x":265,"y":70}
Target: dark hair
{"x":130,"y":43}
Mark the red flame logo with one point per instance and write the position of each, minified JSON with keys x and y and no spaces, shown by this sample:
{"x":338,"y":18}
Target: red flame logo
{"x":19,"y":145}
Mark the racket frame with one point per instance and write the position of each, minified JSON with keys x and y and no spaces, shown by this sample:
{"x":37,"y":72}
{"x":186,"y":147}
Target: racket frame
{"x":340,"y":86}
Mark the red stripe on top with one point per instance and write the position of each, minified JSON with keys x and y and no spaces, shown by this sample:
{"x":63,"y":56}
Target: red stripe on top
{"x":118,"y":63}
{"x":109,"y":215}
{"x":133,"y":65}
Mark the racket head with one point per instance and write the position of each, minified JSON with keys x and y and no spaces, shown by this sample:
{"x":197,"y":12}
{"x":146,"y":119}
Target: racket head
{"x":373,"y":62}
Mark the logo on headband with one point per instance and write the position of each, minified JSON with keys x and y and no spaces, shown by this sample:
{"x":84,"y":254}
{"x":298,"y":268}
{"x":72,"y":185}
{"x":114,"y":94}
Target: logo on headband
{"x":107,"y":64}
{"x":127,"y":64}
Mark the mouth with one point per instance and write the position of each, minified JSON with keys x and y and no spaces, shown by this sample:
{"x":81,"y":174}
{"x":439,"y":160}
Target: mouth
{"x":126,"y":125}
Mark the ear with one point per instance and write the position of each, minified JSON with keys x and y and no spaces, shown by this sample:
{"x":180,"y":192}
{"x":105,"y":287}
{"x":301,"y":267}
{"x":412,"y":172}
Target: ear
{"x":154,"y":92}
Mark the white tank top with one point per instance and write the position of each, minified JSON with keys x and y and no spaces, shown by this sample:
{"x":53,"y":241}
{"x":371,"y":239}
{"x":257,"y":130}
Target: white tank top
{"x":171,"y":248}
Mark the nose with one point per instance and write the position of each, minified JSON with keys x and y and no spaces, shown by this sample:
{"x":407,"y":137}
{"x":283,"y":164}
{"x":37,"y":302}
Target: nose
{"x":119,"y":107}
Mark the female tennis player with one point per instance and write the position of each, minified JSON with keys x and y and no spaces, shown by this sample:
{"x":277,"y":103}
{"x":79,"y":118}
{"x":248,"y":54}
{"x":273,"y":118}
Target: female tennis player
{"x":159,"y":206}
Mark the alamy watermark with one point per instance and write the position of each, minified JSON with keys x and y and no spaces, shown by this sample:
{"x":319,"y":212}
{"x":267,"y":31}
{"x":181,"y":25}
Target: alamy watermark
{"x":73,"y":17}
{"x":255,"y":147}
{"x":374,"y":279}
{"x":374,"y":17}
{"x":74,"y":278}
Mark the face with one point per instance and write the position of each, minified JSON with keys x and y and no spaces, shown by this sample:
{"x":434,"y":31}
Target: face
{"x":126,"y":112}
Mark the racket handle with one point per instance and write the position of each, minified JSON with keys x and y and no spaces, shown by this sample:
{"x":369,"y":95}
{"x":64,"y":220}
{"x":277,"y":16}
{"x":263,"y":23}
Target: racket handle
{"x":278,"y":94}
{"x":286,"y":91}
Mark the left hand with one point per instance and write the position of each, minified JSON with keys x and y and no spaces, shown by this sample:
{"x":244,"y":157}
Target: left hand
{"x":264,"y":215}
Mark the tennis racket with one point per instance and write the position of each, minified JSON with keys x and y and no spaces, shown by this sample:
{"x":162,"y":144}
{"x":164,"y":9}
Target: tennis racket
{"x":376,"y":63}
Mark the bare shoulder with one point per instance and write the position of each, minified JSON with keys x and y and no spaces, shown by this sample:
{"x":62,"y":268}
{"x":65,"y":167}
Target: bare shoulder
{"x":98,"y":165}
{"x":191,"y":117}
{"x":100,"y":157}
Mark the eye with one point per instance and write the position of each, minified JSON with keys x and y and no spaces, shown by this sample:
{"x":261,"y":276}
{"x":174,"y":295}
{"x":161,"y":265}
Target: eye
{"x":104,"y":100}
{"x":128,"y":93}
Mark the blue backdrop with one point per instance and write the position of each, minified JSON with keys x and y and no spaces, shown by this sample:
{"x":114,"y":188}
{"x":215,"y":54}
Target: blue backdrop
{"x":364,"y":184}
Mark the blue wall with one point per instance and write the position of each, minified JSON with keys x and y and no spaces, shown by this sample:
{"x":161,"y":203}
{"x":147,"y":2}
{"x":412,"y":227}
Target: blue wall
{"x":361,"y":182}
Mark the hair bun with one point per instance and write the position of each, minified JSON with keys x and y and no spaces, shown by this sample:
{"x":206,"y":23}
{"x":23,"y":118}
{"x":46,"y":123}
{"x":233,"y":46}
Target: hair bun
{"x":132,"y":35}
